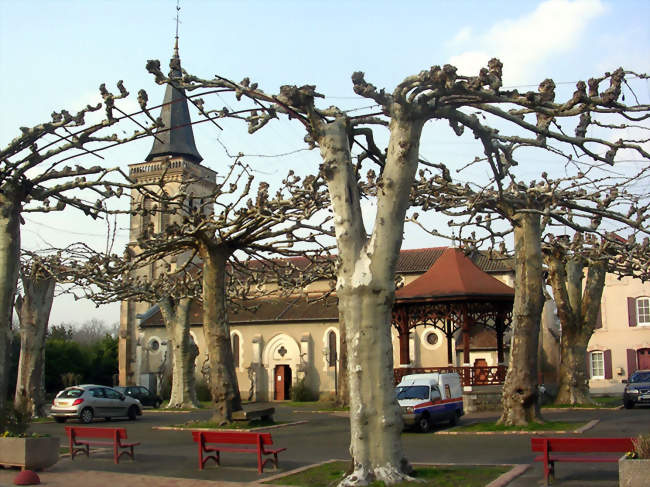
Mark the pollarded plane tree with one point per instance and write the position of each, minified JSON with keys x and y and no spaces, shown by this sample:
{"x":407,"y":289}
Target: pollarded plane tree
{"x":578,"y":296}
{"x":36,"y":175}
{"x":105,"y":277}
{"x":33,"y":305}
{"x":584,"y":203}
{"x":365,"y":286}
{"x":242,"y":224}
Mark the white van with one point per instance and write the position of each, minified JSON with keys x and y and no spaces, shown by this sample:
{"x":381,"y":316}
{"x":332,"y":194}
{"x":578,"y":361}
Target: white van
{"x":430,"y":398}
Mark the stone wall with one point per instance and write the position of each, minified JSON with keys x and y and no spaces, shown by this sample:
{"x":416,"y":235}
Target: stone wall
{"x":486,"y":398}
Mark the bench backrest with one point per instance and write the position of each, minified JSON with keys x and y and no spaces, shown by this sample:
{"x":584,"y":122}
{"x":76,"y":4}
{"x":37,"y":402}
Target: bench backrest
{"x":582,"y":444}
{"x":234,"y":437}
{"x":92,"y":432}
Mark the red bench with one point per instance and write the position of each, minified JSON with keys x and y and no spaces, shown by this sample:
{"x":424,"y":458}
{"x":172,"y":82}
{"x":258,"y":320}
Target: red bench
{"x":218,"y":441}
{"x":550,"y":447}
{"x":82,"y":437}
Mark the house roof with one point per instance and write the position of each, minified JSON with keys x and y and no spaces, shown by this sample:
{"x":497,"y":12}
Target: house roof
{"x":453,"y":275}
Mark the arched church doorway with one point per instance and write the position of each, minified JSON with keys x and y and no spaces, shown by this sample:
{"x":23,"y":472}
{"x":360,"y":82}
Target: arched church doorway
{"x":282,"y":382}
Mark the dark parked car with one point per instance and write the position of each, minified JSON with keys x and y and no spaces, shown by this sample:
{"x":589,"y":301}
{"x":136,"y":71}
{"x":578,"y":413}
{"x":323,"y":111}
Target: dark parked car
{"x":637,"y":389}
{"x":142,"y":394}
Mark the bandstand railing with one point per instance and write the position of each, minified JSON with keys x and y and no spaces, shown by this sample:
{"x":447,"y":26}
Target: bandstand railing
{"x":469,"y":376}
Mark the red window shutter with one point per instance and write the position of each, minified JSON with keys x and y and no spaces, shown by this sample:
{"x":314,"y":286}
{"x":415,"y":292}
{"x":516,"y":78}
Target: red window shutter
{"x":631,"y":361}
{"x":588,"y":360}
{"x":599,"y":318}
{"x":607,"y":359}
{"x":631,"y":311}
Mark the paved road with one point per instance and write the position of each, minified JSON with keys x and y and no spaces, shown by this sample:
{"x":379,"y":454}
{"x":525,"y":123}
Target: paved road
{"x":173,"y":454}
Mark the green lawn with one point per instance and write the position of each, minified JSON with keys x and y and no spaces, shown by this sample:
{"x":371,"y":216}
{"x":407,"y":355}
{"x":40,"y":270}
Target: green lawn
{"x":315,"y":405}
{"x":329,"y":474}
{"x":235,"y":425}
{"x":547,"y":426}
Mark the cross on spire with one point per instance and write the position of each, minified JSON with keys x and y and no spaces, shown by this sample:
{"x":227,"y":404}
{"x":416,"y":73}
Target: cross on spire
{"x":178,"y":21}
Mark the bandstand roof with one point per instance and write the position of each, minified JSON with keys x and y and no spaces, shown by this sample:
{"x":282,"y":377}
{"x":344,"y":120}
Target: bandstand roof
{"x":453,"y":276}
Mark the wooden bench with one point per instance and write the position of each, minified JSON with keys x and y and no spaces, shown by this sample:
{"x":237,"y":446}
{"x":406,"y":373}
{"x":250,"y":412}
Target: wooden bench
{"x":82,"y":437}
{"x":550,"y":447}
{"x":218,"y":441}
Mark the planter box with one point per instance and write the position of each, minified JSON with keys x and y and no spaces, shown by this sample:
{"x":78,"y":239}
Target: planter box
{"x":633,"y":472}
{"x":29,"y":453}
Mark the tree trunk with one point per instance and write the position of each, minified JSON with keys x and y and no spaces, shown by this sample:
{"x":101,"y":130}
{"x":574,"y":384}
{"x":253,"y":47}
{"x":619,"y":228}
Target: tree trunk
{"x":366,"y":291}
{"x":176,"y":314}
{"x":343,"y":392}
{"x":520,"y":394}
{"x":223,"y":378}
{"x":9,"y":261}
{"x":577,"y":310}
{"x":34,"y":313}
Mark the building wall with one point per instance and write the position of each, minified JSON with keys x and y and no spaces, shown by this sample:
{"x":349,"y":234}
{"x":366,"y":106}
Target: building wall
{"x":616,"y":339}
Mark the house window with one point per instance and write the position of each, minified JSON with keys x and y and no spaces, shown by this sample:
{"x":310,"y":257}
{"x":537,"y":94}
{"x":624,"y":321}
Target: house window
{"x":643,"y":311}
{"x":597,"y":365}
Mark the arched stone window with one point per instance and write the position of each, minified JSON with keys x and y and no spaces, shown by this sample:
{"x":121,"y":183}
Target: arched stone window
{"x":235,"y":349}
{"x":331,"y":348}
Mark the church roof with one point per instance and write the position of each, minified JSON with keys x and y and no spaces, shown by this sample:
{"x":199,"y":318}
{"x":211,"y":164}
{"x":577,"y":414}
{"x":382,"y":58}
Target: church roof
{"x":459,"y":272}
{"x":176,"y":138}
{"x":453,"y":276}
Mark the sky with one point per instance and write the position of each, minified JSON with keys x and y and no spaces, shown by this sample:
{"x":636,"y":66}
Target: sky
{"x":55,"y":54}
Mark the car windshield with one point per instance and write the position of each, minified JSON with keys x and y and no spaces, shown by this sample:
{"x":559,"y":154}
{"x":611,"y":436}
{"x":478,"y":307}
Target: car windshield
{"x":413,"y":392}
{"x":70,"y":393}
{"x":120,"y":389}
{"x":640,"y":377}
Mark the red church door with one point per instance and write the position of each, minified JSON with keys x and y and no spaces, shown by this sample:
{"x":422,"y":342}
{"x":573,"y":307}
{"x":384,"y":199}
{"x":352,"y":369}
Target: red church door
{"x":643,"y":358}
{"x":282,"y":379}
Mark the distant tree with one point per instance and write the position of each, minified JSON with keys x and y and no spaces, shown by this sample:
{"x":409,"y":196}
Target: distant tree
{"x":578,"y":296}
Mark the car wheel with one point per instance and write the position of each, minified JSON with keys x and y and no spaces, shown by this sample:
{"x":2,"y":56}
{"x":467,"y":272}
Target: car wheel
{"x":133,"y":413}
{"x":628,"y":404}
{"x":156,"y":405}
{"x":424,"y":424}
{"x":86,"y":416}
{"x":59,"y":419}
{"x":107,"y":418}
{"x":453,"y":419}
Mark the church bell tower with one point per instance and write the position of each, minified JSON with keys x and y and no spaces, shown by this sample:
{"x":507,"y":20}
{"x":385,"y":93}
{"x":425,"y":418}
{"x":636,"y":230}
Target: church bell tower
{"x":173,"y":165}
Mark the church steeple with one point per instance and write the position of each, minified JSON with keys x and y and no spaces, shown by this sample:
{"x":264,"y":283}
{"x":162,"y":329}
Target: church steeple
{"x":176,"y":138}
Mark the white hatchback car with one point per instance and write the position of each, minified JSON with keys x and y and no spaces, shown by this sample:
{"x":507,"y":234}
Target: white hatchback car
{"x":92,"y":401}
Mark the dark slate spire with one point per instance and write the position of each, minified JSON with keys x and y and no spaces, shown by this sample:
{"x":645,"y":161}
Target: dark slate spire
{"x":176,"y":137}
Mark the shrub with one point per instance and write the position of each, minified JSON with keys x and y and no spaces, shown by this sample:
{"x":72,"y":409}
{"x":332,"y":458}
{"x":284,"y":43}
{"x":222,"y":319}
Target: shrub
{"x":642,"y":446}
{"x":203,"y":391}
{"x":302,"y":393}
{"x":14,"y":421}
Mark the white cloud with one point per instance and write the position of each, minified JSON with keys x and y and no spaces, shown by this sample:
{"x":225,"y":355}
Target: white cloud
{"x":462,"y":36}
{"x":522,"y":44}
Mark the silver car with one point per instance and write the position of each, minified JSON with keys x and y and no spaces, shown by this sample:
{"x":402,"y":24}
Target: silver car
{"x":92,"y":401}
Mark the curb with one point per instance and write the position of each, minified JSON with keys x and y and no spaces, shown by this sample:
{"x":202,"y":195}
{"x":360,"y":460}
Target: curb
{"x":189,"y":428}
{"x":505,"y":478}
